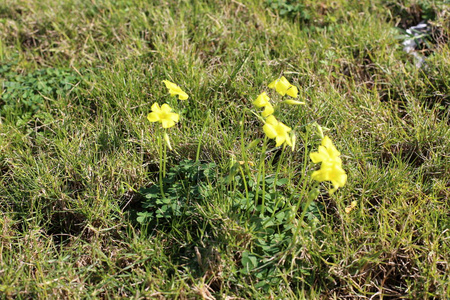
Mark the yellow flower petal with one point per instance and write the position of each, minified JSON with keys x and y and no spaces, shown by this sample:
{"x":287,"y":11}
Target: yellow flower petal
{"x":330,"y":148}
{"x":280,"y":139}
{"x":326,"y":142}
{"x":316,"y":157}
{"x":167,"y":123}
{"x":155,"y":107}
{"x":270,"y":131}
{"x":268,"y":110}
{"x":262,"y":100}
{"x":284,"y":128}
{"x":183,"y":96}
{"x":319,"y":175}
{"x":166,"y":108}
{"x":340,"y":179}
{"x":292,"y":91}
{"x":288,"y":140}
{"x":272,"y":120}
{"x":174,"y":117}
{"x":153,"y":117}
{"x":272,"y":84}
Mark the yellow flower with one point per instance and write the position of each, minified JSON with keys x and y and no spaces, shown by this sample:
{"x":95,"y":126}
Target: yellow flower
{"x":163,"y":115}
{"x":263,"y":101}
{"x":331,"y":167}
{"x":283,"y":87}
{"x":277,"y":130}
{"x":175,"y":90}
{"x":327,"y":152}
{"x":331,"y":172}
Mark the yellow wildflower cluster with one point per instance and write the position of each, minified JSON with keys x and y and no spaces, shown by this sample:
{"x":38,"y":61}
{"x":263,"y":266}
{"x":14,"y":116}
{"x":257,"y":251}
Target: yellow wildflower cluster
{"x":327,"y":155}
{"x":273,"y":128}
{"x":331,"y":167}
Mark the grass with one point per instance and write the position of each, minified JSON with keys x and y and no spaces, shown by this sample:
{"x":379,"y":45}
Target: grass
{"x":76,"y":148}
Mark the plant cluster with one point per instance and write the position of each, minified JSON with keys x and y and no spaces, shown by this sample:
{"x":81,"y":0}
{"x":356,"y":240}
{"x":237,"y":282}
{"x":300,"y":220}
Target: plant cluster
{"x":186,"y":185}
{"x":262,"y":202}
{"x":289,"y":8}
{"x":24,"y":94}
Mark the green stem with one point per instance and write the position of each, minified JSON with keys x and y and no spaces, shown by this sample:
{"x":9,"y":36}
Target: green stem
{"x":243,"y":148}
{"x":261,"y":175}
{"x":245,"y":160}
{"x":303,"y":192}
{"x":165,"y":159}
{"x":247,"y":209}
{"x":280,"y":162}
{"x":162,"y":163}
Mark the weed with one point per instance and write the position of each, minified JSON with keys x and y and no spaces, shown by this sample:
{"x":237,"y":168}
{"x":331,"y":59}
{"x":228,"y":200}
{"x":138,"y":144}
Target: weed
{"x":25,"y":94}
{"x":185,"y":186}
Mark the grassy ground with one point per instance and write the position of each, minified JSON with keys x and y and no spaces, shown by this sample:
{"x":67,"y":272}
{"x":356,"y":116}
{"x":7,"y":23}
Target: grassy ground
{"x":79,"y":158}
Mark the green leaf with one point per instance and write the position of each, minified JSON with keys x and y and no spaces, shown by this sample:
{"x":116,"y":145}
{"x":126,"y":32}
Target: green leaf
{"x":282,"y":181}
{"x":249,"y":261}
